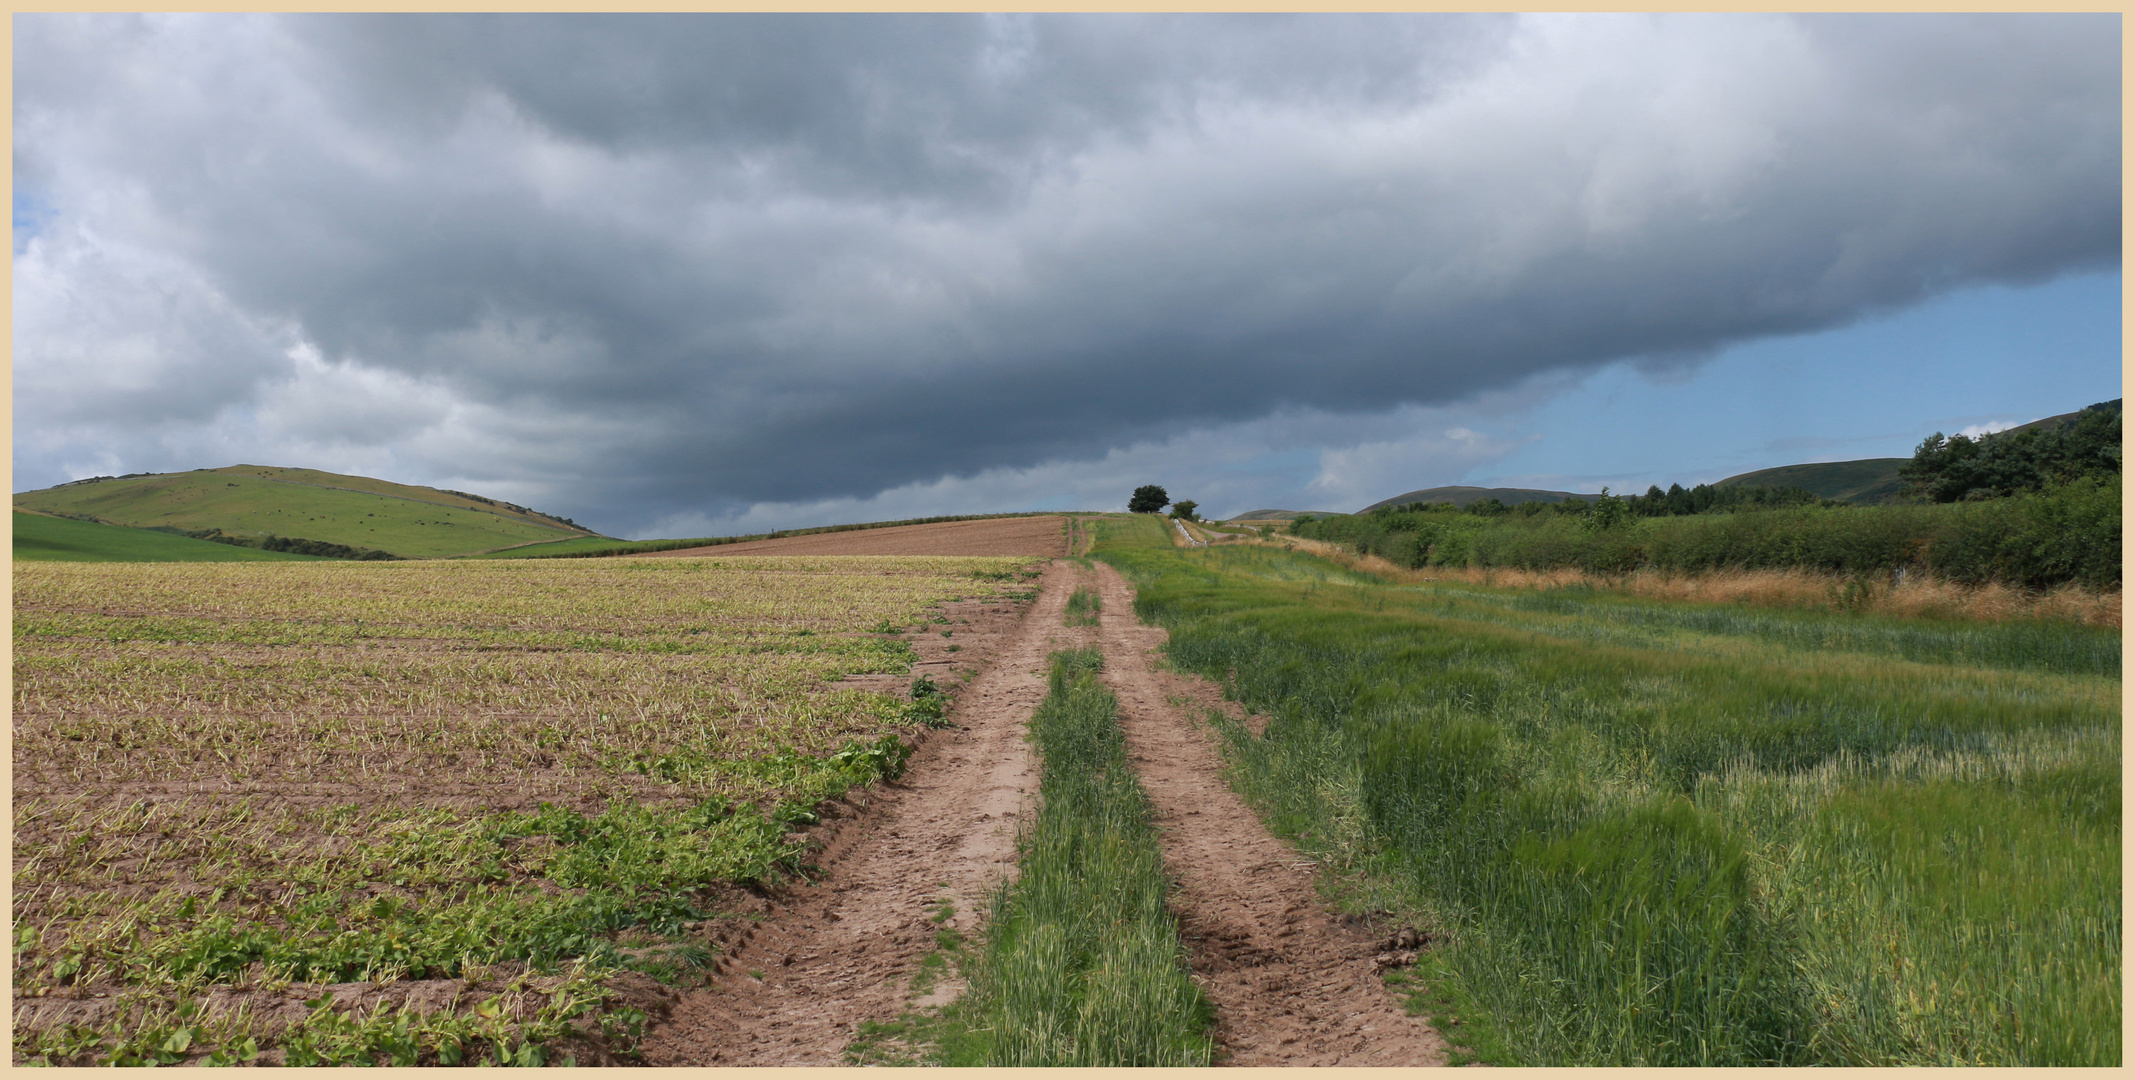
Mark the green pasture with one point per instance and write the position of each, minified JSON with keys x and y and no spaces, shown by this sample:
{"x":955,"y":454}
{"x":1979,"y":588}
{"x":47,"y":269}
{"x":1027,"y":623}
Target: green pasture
{"x":64,"y":540}
{"x":263,"y":502}
{"x":1672,"y":834}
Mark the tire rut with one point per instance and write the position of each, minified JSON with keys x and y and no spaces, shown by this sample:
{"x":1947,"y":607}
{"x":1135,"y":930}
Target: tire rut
{"x":1292,"y":984}
{"x":794,"y":990}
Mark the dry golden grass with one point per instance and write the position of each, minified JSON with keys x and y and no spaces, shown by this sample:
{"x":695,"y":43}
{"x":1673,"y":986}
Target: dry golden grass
{"x":1917,"y":595}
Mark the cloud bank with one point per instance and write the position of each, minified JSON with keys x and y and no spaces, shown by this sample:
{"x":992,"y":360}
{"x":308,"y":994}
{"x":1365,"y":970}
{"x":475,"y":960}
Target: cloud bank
{"x":660,"y":271}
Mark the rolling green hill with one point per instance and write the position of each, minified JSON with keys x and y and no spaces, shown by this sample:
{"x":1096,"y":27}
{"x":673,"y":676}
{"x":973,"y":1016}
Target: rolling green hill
{"x":39,"y":538}
{"x":1275,"y":515}
{"x":258,"y":501}
{"x":1869,"y":481}
{"x":1462,"y":496}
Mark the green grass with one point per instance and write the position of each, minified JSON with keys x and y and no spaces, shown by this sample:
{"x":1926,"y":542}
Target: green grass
{"x":1663,"y":835}
{"x":50,"y":539}
{"x":1082,"y":964}
{"x":1083,"y":607}
{"x":256,"y":501}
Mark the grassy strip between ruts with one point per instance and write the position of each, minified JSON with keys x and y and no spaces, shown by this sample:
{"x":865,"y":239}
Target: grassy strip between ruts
{"x":1082,"y":964}
{"x":1655,"y":835}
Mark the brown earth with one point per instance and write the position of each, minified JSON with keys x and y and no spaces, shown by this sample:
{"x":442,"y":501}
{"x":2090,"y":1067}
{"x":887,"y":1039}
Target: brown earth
{"x":993,"y":536}
{"x":1292,"y":984}
{"x":793,"y":990}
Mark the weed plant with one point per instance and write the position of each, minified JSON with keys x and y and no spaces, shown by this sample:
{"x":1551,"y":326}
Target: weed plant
{"x":1083,"y":606}
{"x":1083,"y":965}
{"x":1664,"y":835}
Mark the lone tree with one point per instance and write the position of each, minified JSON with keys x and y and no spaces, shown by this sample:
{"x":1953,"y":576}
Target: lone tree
{"x":1148,"y":499}
{"x":1185,"y":508}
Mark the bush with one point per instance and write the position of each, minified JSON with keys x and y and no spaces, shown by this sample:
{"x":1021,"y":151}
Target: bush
{"x":2067,"y":534}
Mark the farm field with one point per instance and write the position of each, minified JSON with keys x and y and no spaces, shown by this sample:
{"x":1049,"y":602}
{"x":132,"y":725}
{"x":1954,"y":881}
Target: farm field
{"x":432,"y":812}
{"x":1649,"y":833}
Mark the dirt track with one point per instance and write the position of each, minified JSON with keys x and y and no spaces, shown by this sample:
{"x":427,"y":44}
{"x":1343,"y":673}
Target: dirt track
{"x":845,"y":949}
{"x":1292,"y":984}
{"x":992,"y":536}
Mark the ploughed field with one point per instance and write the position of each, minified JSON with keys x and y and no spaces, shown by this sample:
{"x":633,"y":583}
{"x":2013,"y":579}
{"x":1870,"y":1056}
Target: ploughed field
{"x":319,"y":813}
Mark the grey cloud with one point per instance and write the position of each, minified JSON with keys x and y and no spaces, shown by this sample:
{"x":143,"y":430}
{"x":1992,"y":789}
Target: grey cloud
{"x":792,"y":258}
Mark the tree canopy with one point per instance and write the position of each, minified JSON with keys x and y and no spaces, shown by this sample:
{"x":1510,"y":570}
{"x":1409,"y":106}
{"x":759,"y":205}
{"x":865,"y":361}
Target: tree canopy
{"x":1957,"y":467}
{"x":1148,"y":499}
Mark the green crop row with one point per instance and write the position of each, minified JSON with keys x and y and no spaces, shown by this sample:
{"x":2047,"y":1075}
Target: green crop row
{"x":1659,"y":836}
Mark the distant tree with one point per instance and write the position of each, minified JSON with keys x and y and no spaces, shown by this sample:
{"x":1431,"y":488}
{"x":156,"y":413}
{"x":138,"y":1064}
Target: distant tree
{"x":1607,"y":512}
{"x":1184,"y":508}
{"x":1148,"y":499}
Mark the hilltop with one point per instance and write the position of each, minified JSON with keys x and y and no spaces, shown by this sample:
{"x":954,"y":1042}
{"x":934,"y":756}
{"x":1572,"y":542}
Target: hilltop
{"x":1461,"y":496}
{"x":1274,"y":515}
{"x":1872,"y":481}
{"x":1869,"y":481}
{"x":258,"y":501}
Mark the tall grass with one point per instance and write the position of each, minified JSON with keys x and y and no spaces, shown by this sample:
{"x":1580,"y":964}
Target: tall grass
{"x":1916,"y":595}
{"x":1660,"y":834}
{"x":1083,"y":964}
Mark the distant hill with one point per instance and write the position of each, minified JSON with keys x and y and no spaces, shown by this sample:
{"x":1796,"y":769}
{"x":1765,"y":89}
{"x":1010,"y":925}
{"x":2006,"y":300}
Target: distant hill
{"x":1275,"y":515}
{"x":2060,"y":419}
{"x":1462,"y":496}
{"x":40,"y":538}
{"x":259,"y":500}
{"x":1868,"y":481}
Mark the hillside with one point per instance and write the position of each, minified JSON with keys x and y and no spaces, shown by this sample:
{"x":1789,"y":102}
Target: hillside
{"x":1869,"y":481}
{"x":39,"y":538}
{"x":258,"y":501}
{"x":1462,"y":496}
{"x":1274,"y":515}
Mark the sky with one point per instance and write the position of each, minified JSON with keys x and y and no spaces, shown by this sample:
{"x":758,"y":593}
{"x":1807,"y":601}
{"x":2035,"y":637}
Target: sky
{"x":707,"y":274}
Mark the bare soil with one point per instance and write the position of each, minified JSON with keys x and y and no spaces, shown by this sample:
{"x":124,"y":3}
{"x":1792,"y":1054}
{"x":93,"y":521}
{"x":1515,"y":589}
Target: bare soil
{"x":1292,"y":983}
{"x":793,"y":989}
{"x":993,"y":536}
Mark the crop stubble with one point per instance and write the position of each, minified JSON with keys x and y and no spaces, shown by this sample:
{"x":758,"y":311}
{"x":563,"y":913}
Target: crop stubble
{"x":274,"y":746}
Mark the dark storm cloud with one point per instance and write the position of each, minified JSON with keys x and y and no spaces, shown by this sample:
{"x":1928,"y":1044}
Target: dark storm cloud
{"x":747,"y":258}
